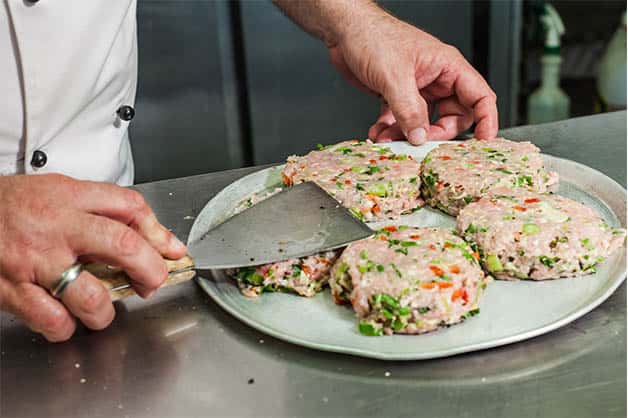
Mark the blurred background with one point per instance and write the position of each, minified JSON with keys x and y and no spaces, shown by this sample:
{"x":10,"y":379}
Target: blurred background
{"x":239,"y":84}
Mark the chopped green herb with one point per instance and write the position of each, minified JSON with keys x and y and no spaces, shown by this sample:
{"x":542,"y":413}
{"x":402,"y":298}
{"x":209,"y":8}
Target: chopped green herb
{"x":617,"y":232}
{"x":340,"y":185}
{"x":403,"y":251}
{"x":472,"y":313}
{"x":524,"y":181}
{"x":468,"y":199}
{"x":372,"y":169}
{"x":409,"y":244}
{"x":524,"y":159}
{"x":363,"y":255}
{"x":471,"y":229}
{"x":413,"y":180}
{"x":380,"y":268}
{"x":503,"y":170}
{"x":424,"y":309}
{"x":547,"y":261}
{"x":359,"y":187}
{"x":430,"y":179}
{"x":396,"y":270}
{"x":359,"y":170}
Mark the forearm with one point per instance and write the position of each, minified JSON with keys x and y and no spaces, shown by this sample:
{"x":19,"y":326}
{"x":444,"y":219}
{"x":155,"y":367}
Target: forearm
{"x":331,"y":20}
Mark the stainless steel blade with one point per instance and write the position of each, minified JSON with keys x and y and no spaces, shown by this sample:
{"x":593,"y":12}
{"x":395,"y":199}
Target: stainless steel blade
{"x":299,"y":221}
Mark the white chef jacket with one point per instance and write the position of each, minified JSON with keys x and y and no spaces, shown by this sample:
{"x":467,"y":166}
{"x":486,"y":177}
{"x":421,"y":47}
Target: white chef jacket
{"x":66,"y":67}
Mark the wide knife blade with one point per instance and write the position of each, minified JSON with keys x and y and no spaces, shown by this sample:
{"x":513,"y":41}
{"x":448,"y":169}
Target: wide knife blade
{"x":299,"y":221}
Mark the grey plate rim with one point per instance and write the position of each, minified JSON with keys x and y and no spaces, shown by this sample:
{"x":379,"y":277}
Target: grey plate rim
{"x":571,"y":316}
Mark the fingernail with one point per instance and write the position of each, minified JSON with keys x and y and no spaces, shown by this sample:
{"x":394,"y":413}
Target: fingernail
{"x":177,"y":245}
{"x":417,"y":136}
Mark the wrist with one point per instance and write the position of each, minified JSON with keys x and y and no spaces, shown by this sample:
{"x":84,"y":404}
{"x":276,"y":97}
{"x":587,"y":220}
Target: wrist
{"x":356,"y":17}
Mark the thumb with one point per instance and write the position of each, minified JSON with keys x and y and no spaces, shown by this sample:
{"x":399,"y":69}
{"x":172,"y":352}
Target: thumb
{"x":409,"y":109}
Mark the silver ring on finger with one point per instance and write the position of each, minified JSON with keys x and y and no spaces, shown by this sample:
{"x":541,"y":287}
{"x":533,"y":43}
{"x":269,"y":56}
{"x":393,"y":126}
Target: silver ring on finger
{"x":67,"y":277}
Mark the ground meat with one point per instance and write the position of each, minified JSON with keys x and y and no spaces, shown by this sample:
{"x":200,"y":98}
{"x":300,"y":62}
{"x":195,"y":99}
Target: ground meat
{"x":455,"y":174}
{"x":408,"y":280}
{"x":525,"y":235}
{"x":370,"y":180}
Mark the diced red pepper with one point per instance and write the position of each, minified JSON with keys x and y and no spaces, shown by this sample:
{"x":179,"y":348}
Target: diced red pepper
{"x":454,"y":269}
{"x":383,"y":157}
{"x":390,"y":228}
{"x":373,"y":161}
{"x":437,"y":270}
{"x":415,"y":236}
{"x":306,"y":269}
{"x":519,"y":208}
{"x":444,"y":285}
{"x":532,"y":200}
{"x":445,"y":157}
{"x":286,"y":180}
{"x":456,"y":295}
{"x":375,"y":209}
{"x":347,"y":182}
{"x":431,"y":247}
{"x":428,"y":285}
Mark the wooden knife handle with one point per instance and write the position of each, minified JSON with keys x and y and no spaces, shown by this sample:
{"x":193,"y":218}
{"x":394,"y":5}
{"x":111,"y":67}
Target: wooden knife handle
{"x":118,"y":282}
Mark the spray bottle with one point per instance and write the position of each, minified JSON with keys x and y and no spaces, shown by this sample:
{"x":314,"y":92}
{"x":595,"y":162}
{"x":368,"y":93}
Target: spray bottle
{"x":549,"y":103}
{"x":611,"y":79}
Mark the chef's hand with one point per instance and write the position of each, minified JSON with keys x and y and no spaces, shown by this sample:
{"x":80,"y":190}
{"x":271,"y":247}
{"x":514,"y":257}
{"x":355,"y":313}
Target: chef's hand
{"x":49,"y":222}
{"x":411,"y":70}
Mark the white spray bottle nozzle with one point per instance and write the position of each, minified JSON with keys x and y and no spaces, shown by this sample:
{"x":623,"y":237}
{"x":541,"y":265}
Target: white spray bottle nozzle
{"x":554,"y":28}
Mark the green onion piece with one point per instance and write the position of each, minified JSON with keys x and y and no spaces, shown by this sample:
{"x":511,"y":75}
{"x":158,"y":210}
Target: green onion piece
{"x":398,"y":325}
{"x":471,"y":229}
{"x":530,"y":229}
{"x":503,"y":170}
{"x":424,"y":309}
{"x":390,"y":301}
{"x":404,"y":311}
{"x":409,"y":244}
{"x":342,"y":269}
{"x":380,"y":268}
{"x":368,"y":329}
{"x":403,"y":251}
{"x":377,"y":189}
{"x":363,"y":255}
{"x":359,"y":170}
{"x":413,"y":180}
{"x":493,"y":263}
{"x":387,"y":314}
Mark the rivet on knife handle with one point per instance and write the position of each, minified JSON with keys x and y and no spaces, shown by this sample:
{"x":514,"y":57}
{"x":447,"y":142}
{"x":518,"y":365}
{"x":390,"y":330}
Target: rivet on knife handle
{"x":117,"y":281}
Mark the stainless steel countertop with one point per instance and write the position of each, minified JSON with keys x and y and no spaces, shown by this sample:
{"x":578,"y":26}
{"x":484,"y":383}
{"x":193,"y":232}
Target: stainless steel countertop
{"x":181,"y":355}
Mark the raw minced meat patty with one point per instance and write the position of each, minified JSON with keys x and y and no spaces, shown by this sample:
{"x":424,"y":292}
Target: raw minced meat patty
{"x":455,"y":174}
{"x":304,"y":276}
{"x":370,"y":180}
{"x":525,"y":235}
{"x":408,"y":280}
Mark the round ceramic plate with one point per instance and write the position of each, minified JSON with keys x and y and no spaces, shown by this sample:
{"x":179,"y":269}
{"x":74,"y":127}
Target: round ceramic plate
{"x":510,"y":311}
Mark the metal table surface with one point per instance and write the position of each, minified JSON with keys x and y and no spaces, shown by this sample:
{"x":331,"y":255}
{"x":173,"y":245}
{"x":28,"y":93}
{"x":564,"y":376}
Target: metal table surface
{"x":179,"y":354}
